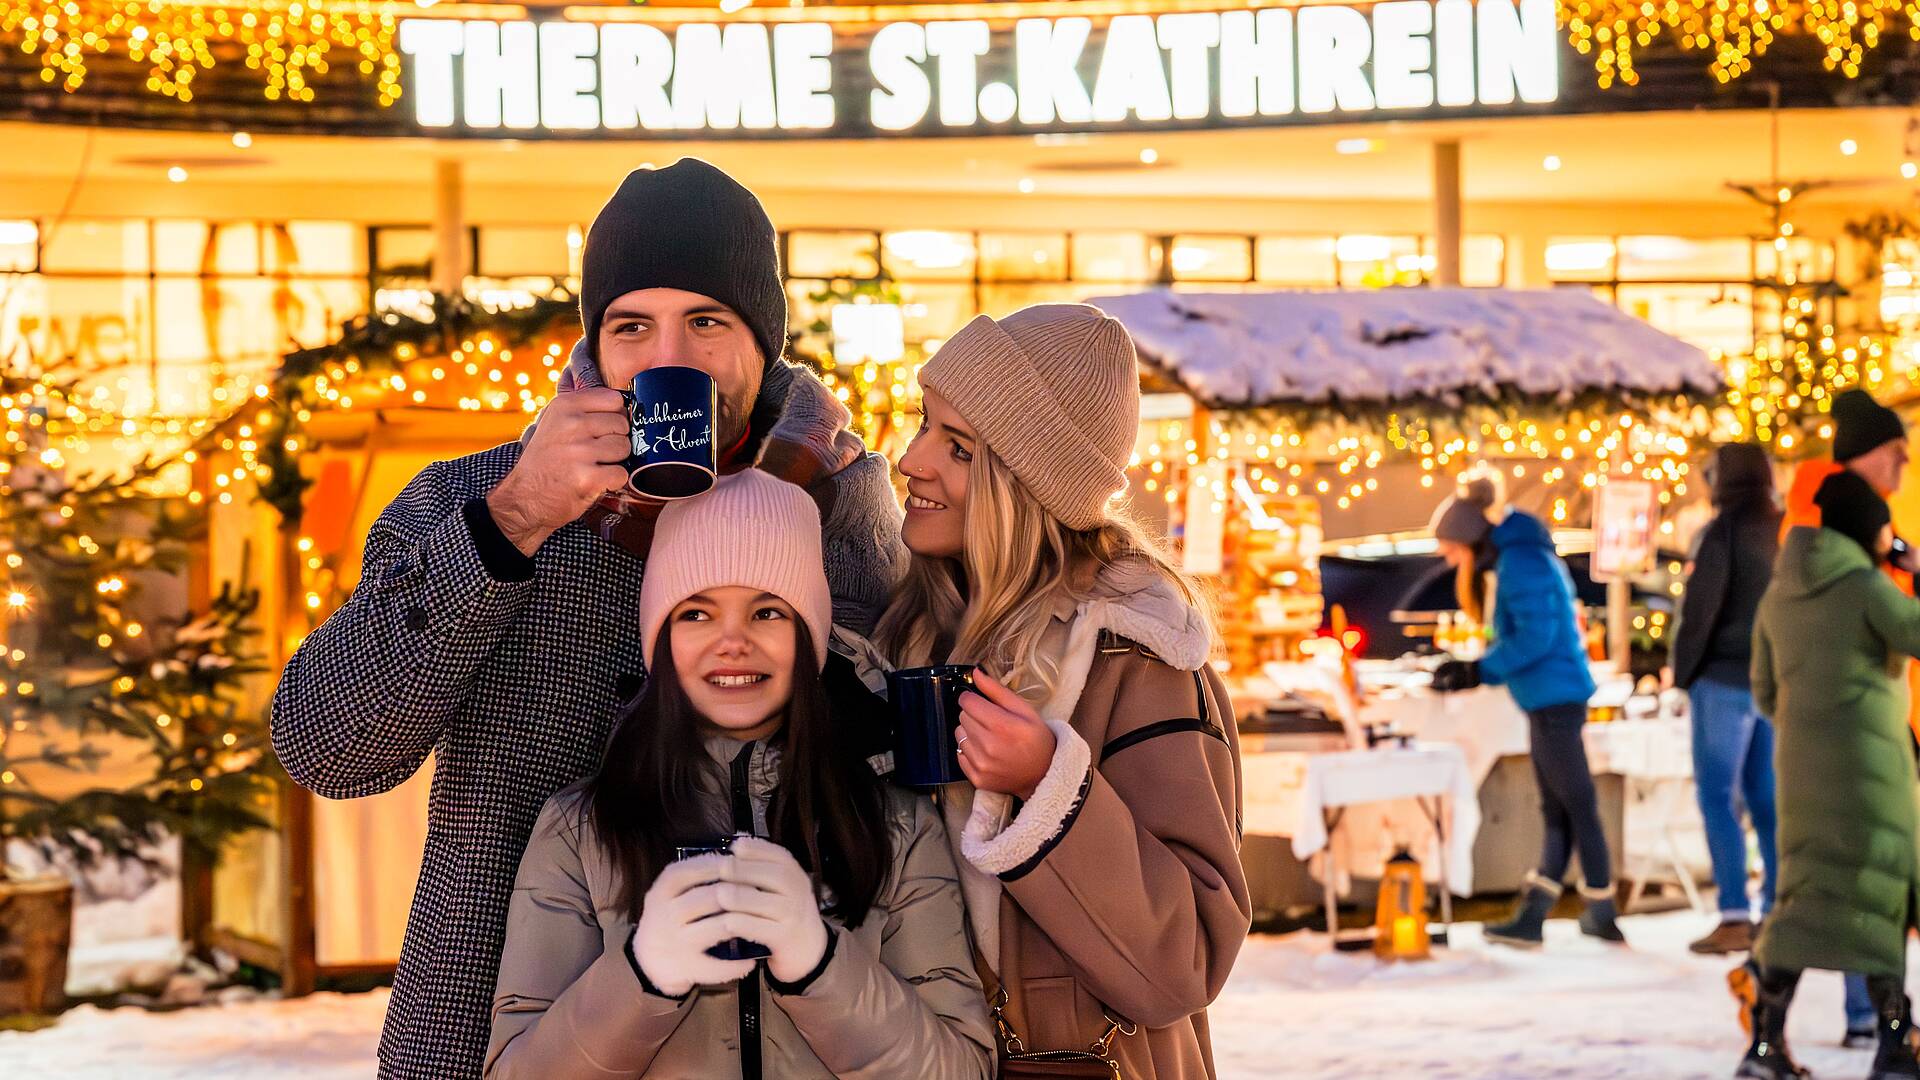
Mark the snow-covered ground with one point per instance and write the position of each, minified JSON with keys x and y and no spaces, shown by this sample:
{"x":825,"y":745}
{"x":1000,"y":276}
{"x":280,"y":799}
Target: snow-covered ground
{"x":1577,"y":1009}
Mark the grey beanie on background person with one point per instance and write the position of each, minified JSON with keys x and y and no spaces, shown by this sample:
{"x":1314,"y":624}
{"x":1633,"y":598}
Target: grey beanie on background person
{"x":692,"y":227}
{"x":1862,"y":425}
{"x":1465,"y":517}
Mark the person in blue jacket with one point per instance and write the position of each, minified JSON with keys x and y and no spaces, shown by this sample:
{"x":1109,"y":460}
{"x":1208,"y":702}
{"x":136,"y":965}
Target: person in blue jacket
{"x":1538,"y":654}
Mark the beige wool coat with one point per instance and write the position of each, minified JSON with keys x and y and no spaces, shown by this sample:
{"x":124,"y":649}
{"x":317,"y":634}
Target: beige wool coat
{"x":899,"y":996}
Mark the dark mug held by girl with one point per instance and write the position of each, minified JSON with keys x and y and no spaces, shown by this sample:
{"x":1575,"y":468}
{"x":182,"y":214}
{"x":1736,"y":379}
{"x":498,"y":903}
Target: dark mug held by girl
{"x":671,"y":412}
{"x":733,"y":948}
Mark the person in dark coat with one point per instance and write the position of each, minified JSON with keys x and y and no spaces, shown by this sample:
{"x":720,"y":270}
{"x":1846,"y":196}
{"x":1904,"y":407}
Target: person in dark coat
{"x":492,"y":627}
{"x":1537,"y":653}
{"x":1829,"y":651}
{"x":1712,"y":653}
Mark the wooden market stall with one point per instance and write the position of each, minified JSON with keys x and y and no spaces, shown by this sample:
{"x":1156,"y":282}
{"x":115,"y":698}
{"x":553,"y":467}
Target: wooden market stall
{"x":1289,"y":421}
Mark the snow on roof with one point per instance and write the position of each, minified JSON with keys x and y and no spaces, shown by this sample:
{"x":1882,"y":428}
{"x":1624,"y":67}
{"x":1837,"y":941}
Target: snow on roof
{"x":1388,"y":345}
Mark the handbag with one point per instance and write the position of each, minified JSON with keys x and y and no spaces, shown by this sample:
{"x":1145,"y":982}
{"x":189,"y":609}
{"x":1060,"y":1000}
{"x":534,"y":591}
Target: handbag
{"x":1018,"y":1063}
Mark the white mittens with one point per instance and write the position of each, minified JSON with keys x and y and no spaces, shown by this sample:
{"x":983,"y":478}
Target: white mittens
{"x":769,"y":899}
{"x":679,"y":922}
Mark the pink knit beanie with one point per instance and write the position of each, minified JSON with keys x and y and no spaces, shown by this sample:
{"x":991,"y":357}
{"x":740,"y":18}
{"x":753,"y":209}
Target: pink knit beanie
{"x":751,"y":529}
{"x":1054,"y":391}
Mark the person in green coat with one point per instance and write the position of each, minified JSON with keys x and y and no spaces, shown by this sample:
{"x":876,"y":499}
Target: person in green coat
{"x":1830,"y":643}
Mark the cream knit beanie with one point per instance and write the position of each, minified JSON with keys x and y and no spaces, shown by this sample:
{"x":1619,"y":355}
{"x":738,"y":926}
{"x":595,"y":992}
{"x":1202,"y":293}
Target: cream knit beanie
{"x":751,"y":529}
{"x":1054,"y":391}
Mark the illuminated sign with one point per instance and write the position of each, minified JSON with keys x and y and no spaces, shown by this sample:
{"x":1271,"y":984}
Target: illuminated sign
{"x":1183,"y":69}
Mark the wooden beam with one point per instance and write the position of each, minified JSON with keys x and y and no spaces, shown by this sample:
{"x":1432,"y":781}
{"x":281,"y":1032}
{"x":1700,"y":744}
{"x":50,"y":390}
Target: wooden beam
{"x":296,"y":809}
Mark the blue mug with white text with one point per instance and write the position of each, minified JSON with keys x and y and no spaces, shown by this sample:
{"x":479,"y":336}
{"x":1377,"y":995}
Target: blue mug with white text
{"x":672,"y":416}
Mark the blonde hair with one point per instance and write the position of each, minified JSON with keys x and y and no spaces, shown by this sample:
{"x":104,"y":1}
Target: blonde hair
{"x":994,"y":604}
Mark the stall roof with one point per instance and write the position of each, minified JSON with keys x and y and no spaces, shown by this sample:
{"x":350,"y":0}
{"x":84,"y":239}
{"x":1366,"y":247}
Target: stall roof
{"x":1385,"y":346}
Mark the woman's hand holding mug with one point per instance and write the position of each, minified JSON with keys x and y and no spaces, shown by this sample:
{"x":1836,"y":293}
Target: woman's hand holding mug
{"x":768,"y":898}
{"x":680,"y":919}
{"x":1004,"y":745}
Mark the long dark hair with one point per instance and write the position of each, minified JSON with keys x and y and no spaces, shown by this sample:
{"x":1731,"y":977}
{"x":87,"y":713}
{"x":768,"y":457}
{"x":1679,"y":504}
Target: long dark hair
{"x":828,"y":806}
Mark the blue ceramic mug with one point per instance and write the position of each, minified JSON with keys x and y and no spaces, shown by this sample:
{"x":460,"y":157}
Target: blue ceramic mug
{"x":926,"y":710}
{"x":672,"y":421}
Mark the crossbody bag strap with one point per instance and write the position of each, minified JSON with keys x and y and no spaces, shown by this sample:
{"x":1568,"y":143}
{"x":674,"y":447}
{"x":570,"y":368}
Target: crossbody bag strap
{"x":1011,"y":1044}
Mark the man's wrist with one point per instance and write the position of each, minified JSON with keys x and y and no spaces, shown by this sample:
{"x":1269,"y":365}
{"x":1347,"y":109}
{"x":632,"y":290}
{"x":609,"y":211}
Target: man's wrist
{"x":504,"y":561}
{"x":524,"y":535}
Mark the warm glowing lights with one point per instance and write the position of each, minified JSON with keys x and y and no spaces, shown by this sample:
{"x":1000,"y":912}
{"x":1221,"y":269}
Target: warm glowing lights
{"x":1732,"y":32}
{"x":288,"y":42}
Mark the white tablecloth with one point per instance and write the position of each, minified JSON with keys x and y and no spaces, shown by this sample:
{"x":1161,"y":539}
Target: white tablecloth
{"x":1389,"y":775}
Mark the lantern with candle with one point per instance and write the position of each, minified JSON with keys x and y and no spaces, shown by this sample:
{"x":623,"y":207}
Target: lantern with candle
{"x":1400,"y":921}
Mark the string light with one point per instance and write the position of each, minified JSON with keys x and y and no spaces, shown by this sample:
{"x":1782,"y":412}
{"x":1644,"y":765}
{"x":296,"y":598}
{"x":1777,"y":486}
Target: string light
{"x":287,"y":43}
{"x":1732,"y":32}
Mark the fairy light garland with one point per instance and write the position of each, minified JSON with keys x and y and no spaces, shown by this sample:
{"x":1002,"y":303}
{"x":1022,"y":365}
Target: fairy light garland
{"x":289,"y":43}
{"x":1733,"y":32}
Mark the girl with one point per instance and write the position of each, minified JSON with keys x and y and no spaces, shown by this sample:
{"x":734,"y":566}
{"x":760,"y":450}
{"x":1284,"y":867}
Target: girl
{"x":618,"y":958}
{"x":1101,"y":830}
{"x":1537,"y":653}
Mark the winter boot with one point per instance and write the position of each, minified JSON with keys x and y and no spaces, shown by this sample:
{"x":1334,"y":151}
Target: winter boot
{"x":1598,"y":920}
{"x":1893,"y":1058}
{"x":1523,"y":931}
{"x":1767,"y":1057}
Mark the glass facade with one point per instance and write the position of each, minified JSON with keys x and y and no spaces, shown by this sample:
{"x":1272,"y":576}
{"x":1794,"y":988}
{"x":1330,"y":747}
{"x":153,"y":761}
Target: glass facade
{"x":238,"y":294}
{"x":1720,"y":293}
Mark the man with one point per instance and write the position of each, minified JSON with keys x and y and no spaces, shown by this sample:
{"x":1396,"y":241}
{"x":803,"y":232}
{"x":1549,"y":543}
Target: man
{"x":1869,"y":439}
{"x":495,"y":622}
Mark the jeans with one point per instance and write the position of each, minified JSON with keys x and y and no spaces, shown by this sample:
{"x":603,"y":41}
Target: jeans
{"x":1732,"y":767}
{"x":1861,"y":1015}
{"x":1568,"y":806}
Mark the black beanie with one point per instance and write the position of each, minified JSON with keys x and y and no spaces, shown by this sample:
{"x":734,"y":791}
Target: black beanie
{"x":1861,"y":425}
{"x":1849,"y":506}
{"x":688,"y":226}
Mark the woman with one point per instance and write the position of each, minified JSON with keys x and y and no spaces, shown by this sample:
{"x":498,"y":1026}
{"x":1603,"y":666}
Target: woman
{"x":1712,"y":660}
{"x":1829,"y":651}
{"x":1537,"y":653}
{"x":1100,"y":833}
{"x":616,"y":960}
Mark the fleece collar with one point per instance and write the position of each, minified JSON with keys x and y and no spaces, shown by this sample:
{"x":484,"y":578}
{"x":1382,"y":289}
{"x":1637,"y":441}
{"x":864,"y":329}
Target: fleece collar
{"x":1133,"y":600}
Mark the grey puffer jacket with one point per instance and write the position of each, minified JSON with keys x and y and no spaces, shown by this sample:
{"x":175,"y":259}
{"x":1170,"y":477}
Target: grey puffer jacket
{"x":897,"y":997}
{"x":509,"y":672}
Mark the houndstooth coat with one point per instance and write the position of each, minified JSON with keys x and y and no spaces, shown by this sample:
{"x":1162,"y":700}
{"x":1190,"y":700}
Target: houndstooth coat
{"x":513,"y":686}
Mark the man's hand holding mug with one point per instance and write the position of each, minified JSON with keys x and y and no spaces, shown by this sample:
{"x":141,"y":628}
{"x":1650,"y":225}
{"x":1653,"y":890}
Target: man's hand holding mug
{"x":573,"y":458}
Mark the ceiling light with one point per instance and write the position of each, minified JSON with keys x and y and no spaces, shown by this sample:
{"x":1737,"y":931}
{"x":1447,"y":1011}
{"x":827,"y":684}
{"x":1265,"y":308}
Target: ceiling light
{"x":177,"y":174}
{"x":1908,"y":170}
{"x":1551,"y":163}
{"x":1848,"y":147}
{"x":1149,"y":156}
{"x":1356,"y":146}
{"x":1026,"y":185}
{"x":242,"y":140}
{"x":731,"y":6}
